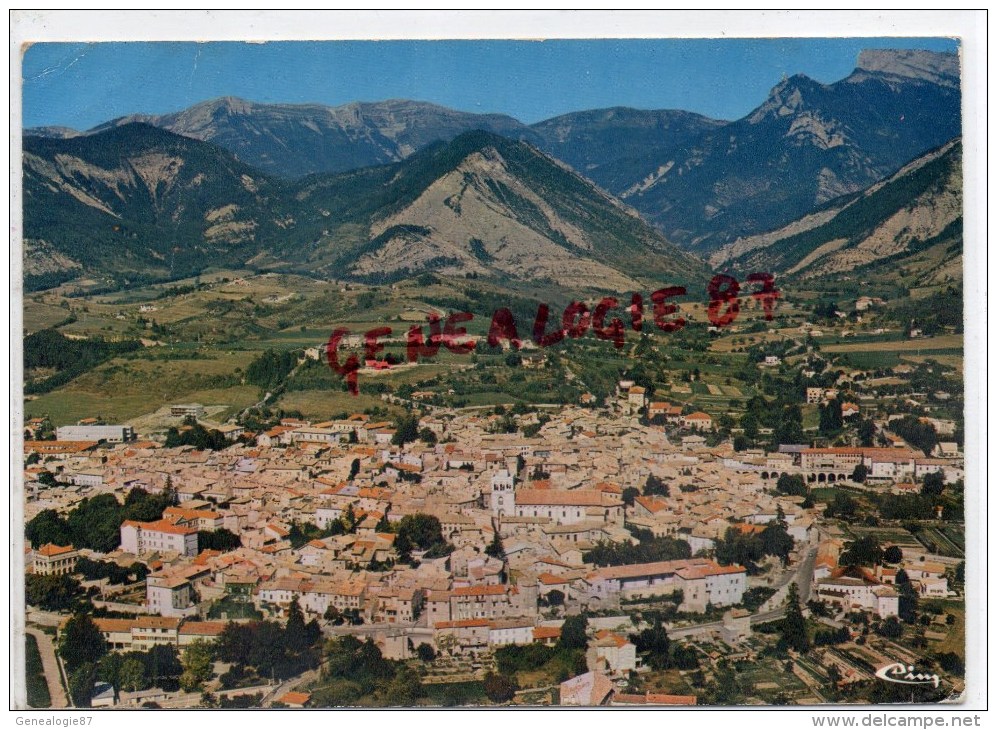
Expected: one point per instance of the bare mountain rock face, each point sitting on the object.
(805, 145)
(293, 140)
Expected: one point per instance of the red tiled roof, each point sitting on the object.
(51, 550)
(479, 591)
(161, 526)
(463, 624)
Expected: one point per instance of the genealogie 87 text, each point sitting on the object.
(577, 319)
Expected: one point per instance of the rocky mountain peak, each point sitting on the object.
(937, 68)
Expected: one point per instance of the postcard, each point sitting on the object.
(482, 372)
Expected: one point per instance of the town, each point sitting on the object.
(624, 552)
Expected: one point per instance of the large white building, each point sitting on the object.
(858, 593)
(702, 582)
(159, 536)
(567, 506)
(111, 434)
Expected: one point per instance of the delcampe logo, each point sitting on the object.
(901, 673)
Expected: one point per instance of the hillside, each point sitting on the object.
(605, 145)
(913, 211)
(138, 203)
(487, 206)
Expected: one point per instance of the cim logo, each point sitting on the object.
(901, 673)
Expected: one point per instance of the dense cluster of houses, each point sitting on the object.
(547, 500)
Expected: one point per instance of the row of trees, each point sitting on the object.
(197, 436)
(650, 549)
(748, 548)
(270, 649)
(96, 522)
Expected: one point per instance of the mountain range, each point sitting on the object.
(917, 209)
(356, 187)
(137, 202)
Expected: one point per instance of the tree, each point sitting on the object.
(425, 653)
(406, 429)
(933, 484)
(830, 417)
(893, 554)
(629, 495)
(794, 626)
(81, 681)
(295, 630)
(427, 436)
(777, 541)
(354, 467)
(867, 431)
(860, 473)
(48, 527)
(792, 484)
(131, 675)
(421, 530)
(81, 642)
(890, 628)
(790, 427)
(863, 551)
(654, 642)
(405, 688)
(907, 602)
(495, 548)
(655, 485)
(197, 662)
(573, 633)
(555, 598)
(499, 688)
(53, 592)
(221, 539)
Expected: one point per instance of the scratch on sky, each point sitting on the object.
(193, 70)
(60, 67)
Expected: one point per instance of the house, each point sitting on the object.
(510, 631)
(169, 594)
(858, 590)
(848, 410)
(159, 536)
(664, 410)
(295, 699)
(637, 396)
(586, 690)
(102, 695)
(653, 699)
(110, 434)
(546, 635)
(183, 410)
(611, 652)
(200, 519)
(697, 421)
(464, 636)
(52, 559)
(568, 506)
(702, 581)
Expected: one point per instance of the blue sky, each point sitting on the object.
(81, 85)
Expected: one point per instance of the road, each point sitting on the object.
(288, 685)
(50, 665)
